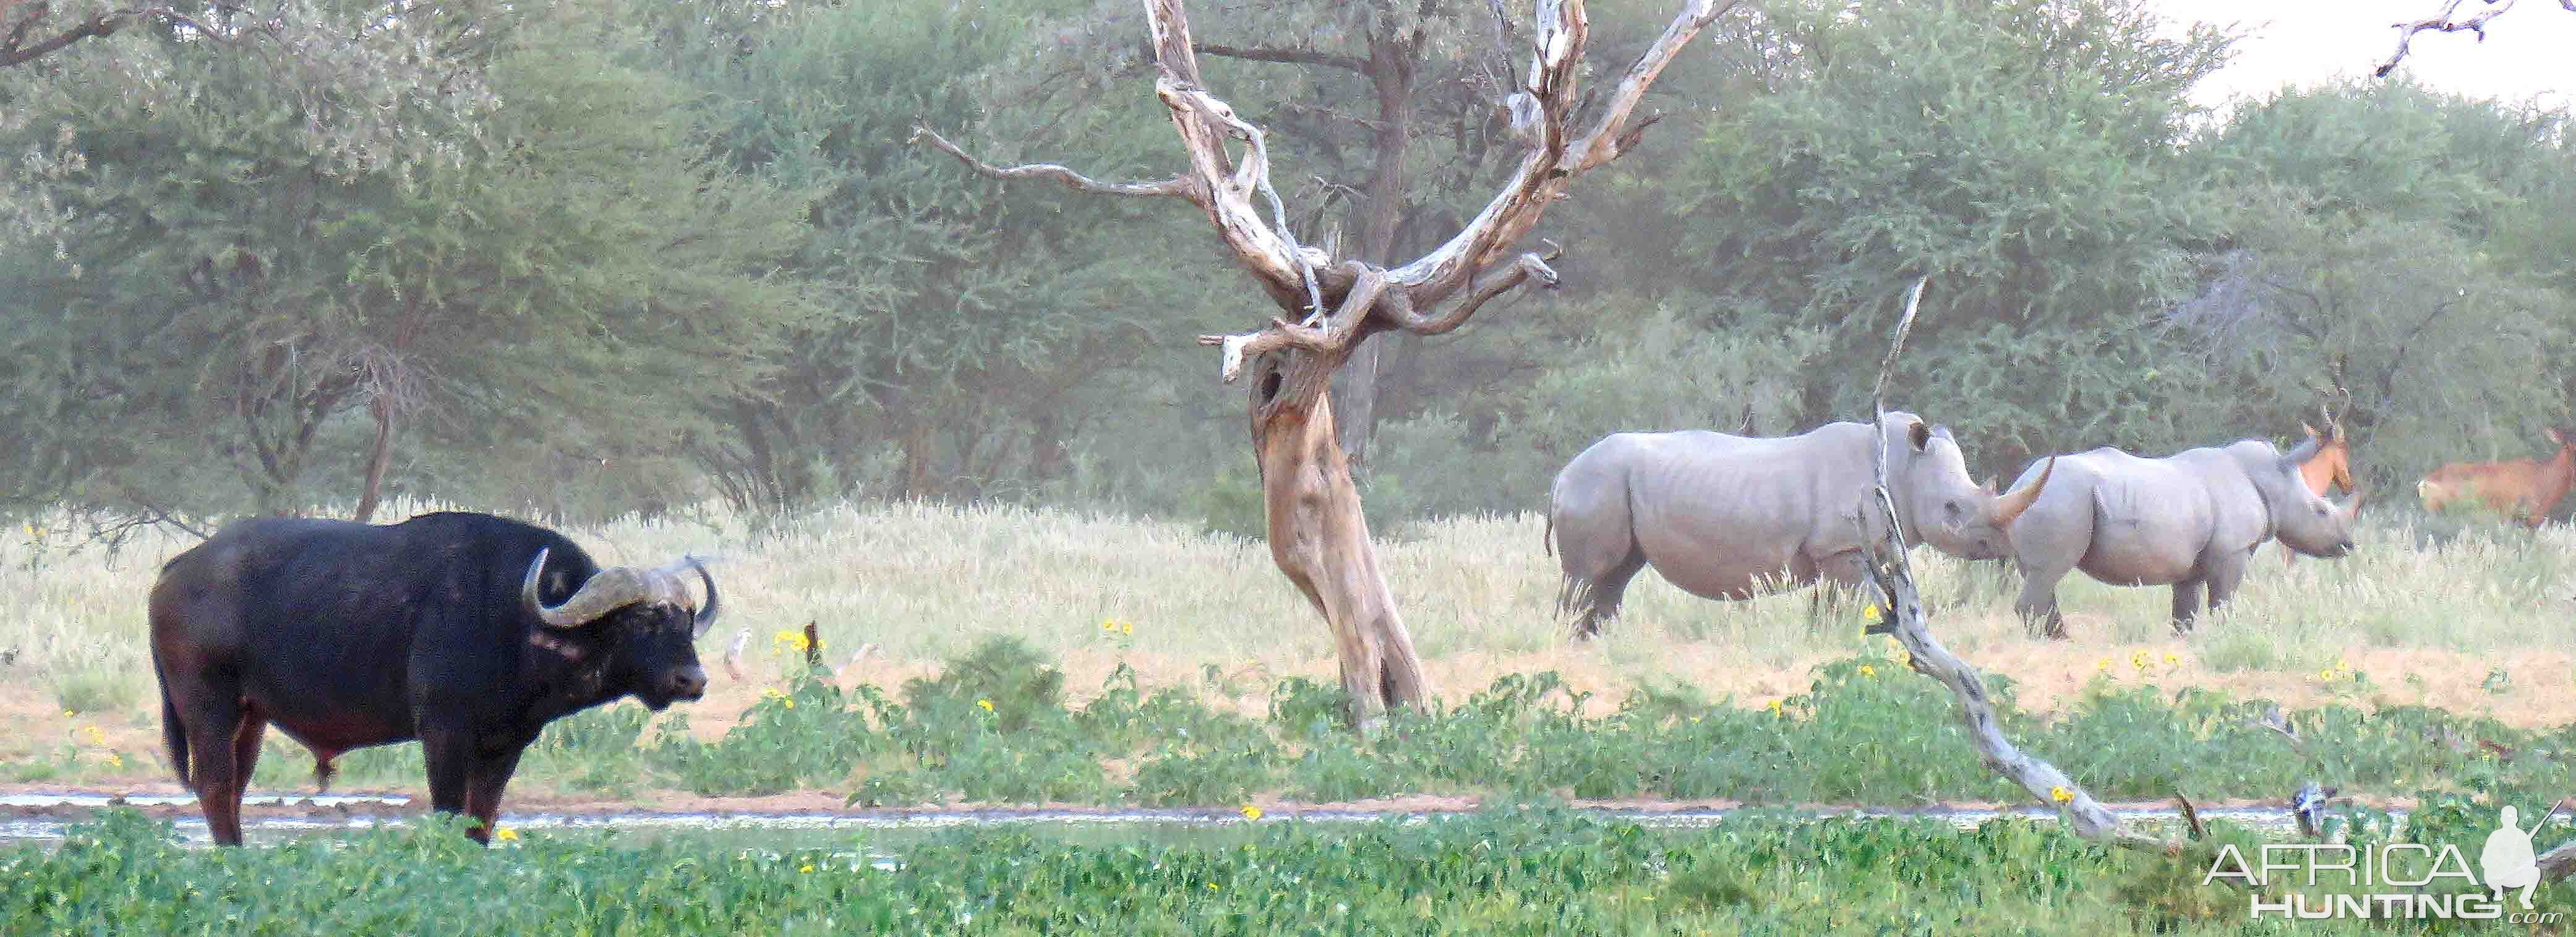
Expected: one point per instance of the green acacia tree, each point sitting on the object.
(2404, 255)
(2024, 155)
(960, 324)
(231, 289)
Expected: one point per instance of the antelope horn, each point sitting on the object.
(2010, 506)
(2352, 505)
(606, 592)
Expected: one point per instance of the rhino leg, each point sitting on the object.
(1598, 595)
(2186, 604)
(1838, 578)
(2223, 578)
(2038, 602)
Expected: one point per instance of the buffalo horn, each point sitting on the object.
(706, 613)
(2010, 506)
(606, 592)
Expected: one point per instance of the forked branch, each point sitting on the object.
(2449, 21)
(1418, 296)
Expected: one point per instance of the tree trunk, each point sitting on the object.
(1319, 538)
(1355, 402)
(378, 457)
(1355, 386)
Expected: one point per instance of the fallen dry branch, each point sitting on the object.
(2449, 21)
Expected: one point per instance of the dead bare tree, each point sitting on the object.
(1329, 306)
(2449, 21)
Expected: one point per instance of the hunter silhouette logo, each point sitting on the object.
(2372, 881)
(2508, 861)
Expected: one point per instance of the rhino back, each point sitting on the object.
(1713, 511)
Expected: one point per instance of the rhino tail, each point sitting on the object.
(1547, 536)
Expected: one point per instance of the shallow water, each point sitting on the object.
(1136, 823)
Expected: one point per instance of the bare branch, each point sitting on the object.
(1169, 188)
(2448, 21)
(95, 27)
(1606, 142)
(1894, 578)
(1333, 338)
(1282, 56)
(1523, 268)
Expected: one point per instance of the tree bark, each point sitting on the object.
(1320, 538)
(379, 457)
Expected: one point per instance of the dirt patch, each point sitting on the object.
(123, 749)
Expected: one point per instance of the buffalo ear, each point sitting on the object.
(1920, 434)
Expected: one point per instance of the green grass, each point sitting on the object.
(996, 727)
(1532, 872)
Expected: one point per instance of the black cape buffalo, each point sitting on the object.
(466, 631)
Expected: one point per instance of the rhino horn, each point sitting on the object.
(2010, 506)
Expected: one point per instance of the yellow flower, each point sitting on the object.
(772, 693)
(115, 760)
(2103, 665)
(1868, 671)
(1775, 707)
(1694, 720)
(1126, 627)
(1869, 613)
(1251, 812)
(791, 640)
(787, 701)
(986, 703)
(2172, 661)
(2139, 660)
(96, 737)
(1211, 886)
(2060, 794)
(807, 867)
(68, 714)
(506, 834)
(1107, 624)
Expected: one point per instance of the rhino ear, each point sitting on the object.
(1920, 434)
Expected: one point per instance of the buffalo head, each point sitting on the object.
(639, 622)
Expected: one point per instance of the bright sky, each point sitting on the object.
(2530, 50)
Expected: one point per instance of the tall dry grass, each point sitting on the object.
(922, 581)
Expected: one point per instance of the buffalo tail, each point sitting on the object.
(174, 734)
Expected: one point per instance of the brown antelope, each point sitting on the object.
(2329, 469)
(2520, 488)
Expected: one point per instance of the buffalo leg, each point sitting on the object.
(246, 749)
(2186, 604)
(1600, 595)
(212, 733)
(450, 754)
(483, 786)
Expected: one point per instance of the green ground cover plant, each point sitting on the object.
(1539, 871)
